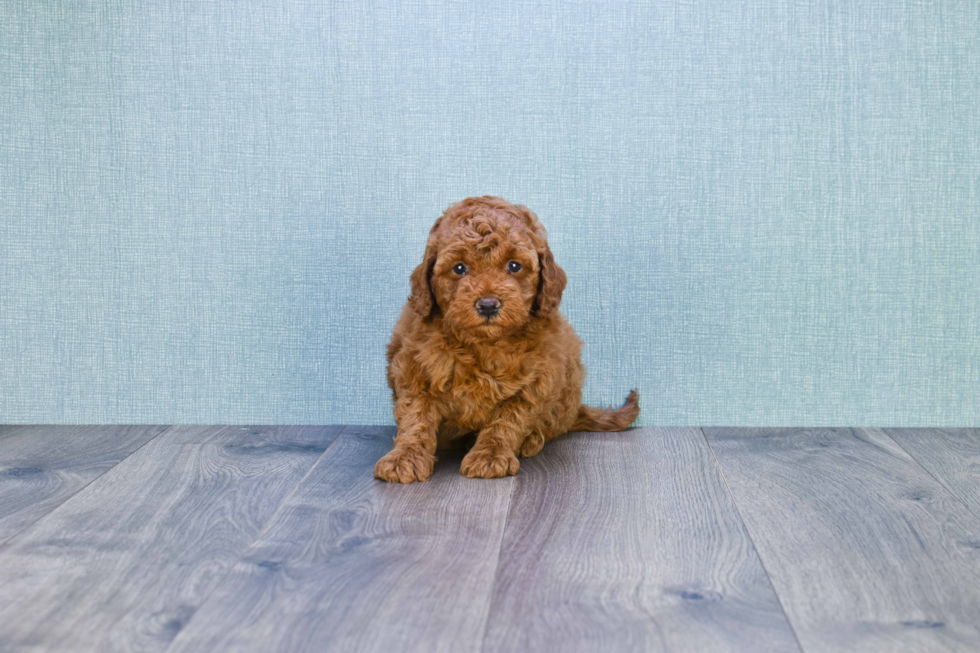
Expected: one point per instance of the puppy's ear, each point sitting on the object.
(423, 298)
(551, 283)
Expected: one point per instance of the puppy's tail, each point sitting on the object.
(608, 419)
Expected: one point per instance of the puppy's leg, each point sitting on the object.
(495, 453)
(415, 444)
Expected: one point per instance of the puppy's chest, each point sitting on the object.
(473, 389)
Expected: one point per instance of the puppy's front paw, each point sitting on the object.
(487, 463)
(405, 465)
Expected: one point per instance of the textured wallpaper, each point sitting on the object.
(769, 212)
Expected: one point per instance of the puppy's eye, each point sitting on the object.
(514, 266)
(459, 268)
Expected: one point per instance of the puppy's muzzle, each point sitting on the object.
(487, 306)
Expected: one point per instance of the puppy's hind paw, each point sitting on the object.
(405, 466)
(532, 446)
(485, 463)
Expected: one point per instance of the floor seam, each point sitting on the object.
(259, 534)
(748, 534)
(952, 493)
(6, 542)
(496, 569)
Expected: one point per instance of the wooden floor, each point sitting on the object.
(216, 539)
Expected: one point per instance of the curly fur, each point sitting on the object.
(514, 378)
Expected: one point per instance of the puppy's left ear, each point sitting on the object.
(551, 283)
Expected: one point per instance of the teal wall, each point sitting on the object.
(769, 212)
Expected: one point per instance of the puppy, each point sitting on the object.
(481, 347)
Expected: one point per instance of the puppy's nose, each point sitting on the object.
(487, 306)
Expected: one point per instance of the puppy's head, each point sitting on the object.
(487, 269)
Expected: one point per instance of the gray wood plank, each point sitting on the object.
(951, 455)
(123, 564)
(630, 542)
(42, 466)
(866, 550)
(351, 563)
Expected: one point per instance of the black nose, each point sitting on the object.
(487, 306)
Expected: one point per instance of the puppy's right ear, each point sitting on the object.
(423, 298)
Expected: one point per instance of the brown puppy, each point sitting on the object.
(481, 347)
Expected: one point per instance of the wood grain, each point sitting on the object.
(950, 455)
(866, 550)
(351, 563)
(123, 564)
(630, 542)
(42, 466)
